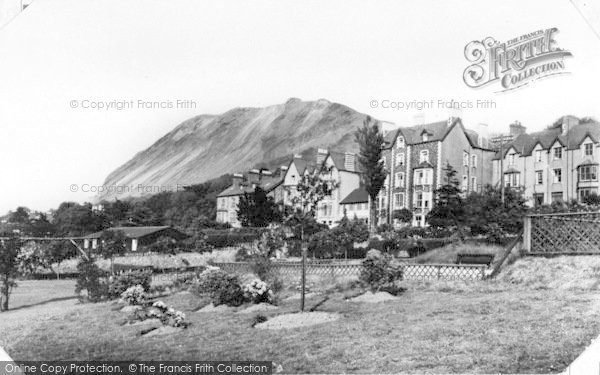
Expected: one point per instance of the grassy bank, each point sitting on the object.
(508, 325)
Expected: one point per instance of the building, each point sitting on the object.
(136, 236)
(559, 163)
(227, 200)
(340, 167)
(415, 158)
(356, 205)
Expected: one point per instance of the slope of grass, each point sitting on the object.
(448, 253)
(502, 325)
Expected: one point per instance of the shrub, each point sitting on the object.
(258, 319)
(134, 295)
(167, 315)
(90, 279)
(221, 287)
(379, 270)
(258, 291)
(125, 280)
(494, 234)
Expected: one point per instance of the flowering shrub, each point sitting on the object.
(120, 283)
(167, 315)
(134, 295)
(379, 270)
(258, 291)
(223, 288)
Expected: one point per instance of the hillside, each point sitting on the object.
(208, 146)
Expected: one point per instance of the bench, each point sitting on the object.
(465, 258)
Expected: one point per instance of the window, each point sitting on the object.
(538, 156)
(557, 175)
(557, 153)
(400, 158)
(557, 197)
(473, 183)
(419, 200)
(539, 177)
(423, 176)
(398, 200)
(589, 149)
(588, 173)
(511, 179)
(538, 199)
(424, 156)
(583, 193)
(399, 180)
(511, 159)
(418, 220)
(474, 161)
(466, 159)
(400, 142)
(465, 183)
(425, 137)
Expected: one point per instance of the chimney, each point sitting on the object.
(297, 156)
(321, 155)
(253, 176)
(516, 129)
(237, 179)
(568, 122)
(349, 161)
(482, 135)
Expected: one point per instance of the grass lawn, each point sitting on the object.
(514, 324)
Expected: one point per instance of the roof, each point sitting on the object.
(437, 131)
(339, 160)
(137, 232)
(267, 183)
(358, 195)
(525, 143)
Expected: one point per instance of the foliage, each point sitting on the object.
(221, 287)
(257, 209)
(338, 242)
(494, 233)
(9, 268)
(486, 208)
(403, 215)
(356, 229)
(125, 280)
(134, 295)
(165, 245)
(227, 238)
(448, 211)
(370, 141)
(258, 291)
(592, 199)
(167, 315)
(379, 270)
(90, 278)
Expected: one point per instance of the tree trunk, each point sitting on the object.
(373, 216)
(5, 292)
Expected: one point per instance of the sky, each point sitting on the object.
(60, 58)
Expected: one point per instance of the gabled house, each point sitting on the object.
(559, 163)
(415, 158)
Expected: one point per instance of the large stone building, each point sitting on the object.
(559, 163)
(415, 158)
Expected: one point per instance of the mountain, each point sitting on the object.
(208, 146)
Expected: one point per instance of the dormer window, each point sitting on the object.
(589, 149)
(400, 142)
(511, 159)
(557, 153)
(425, 137)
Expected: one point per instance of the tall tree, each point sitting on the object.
(370, 140)
(448, 211)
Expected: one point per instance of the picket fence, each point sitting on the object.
(412, 271)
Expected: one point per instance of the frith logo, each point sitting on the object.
(514, 63)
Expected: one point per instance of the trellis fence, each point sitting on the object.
(412, 271)
(562, 233)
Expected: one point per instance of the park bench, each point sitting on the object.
(472, 258)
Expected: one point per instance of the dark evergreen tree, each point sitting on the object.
(448, 212)
(257, 209)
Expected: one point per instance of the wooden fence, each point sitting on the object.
(412, 271)
(562, 233)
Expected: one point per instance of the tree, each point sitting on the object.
(370, 141)
(310, 191)
(484, 211)
(9, 268)
(448, 211)
(112, 243)
(257, 209)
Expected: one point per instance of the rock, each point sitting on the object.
(297, 320)
(377, 297)
(212, 308)
(131, 308)
(258, 308)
